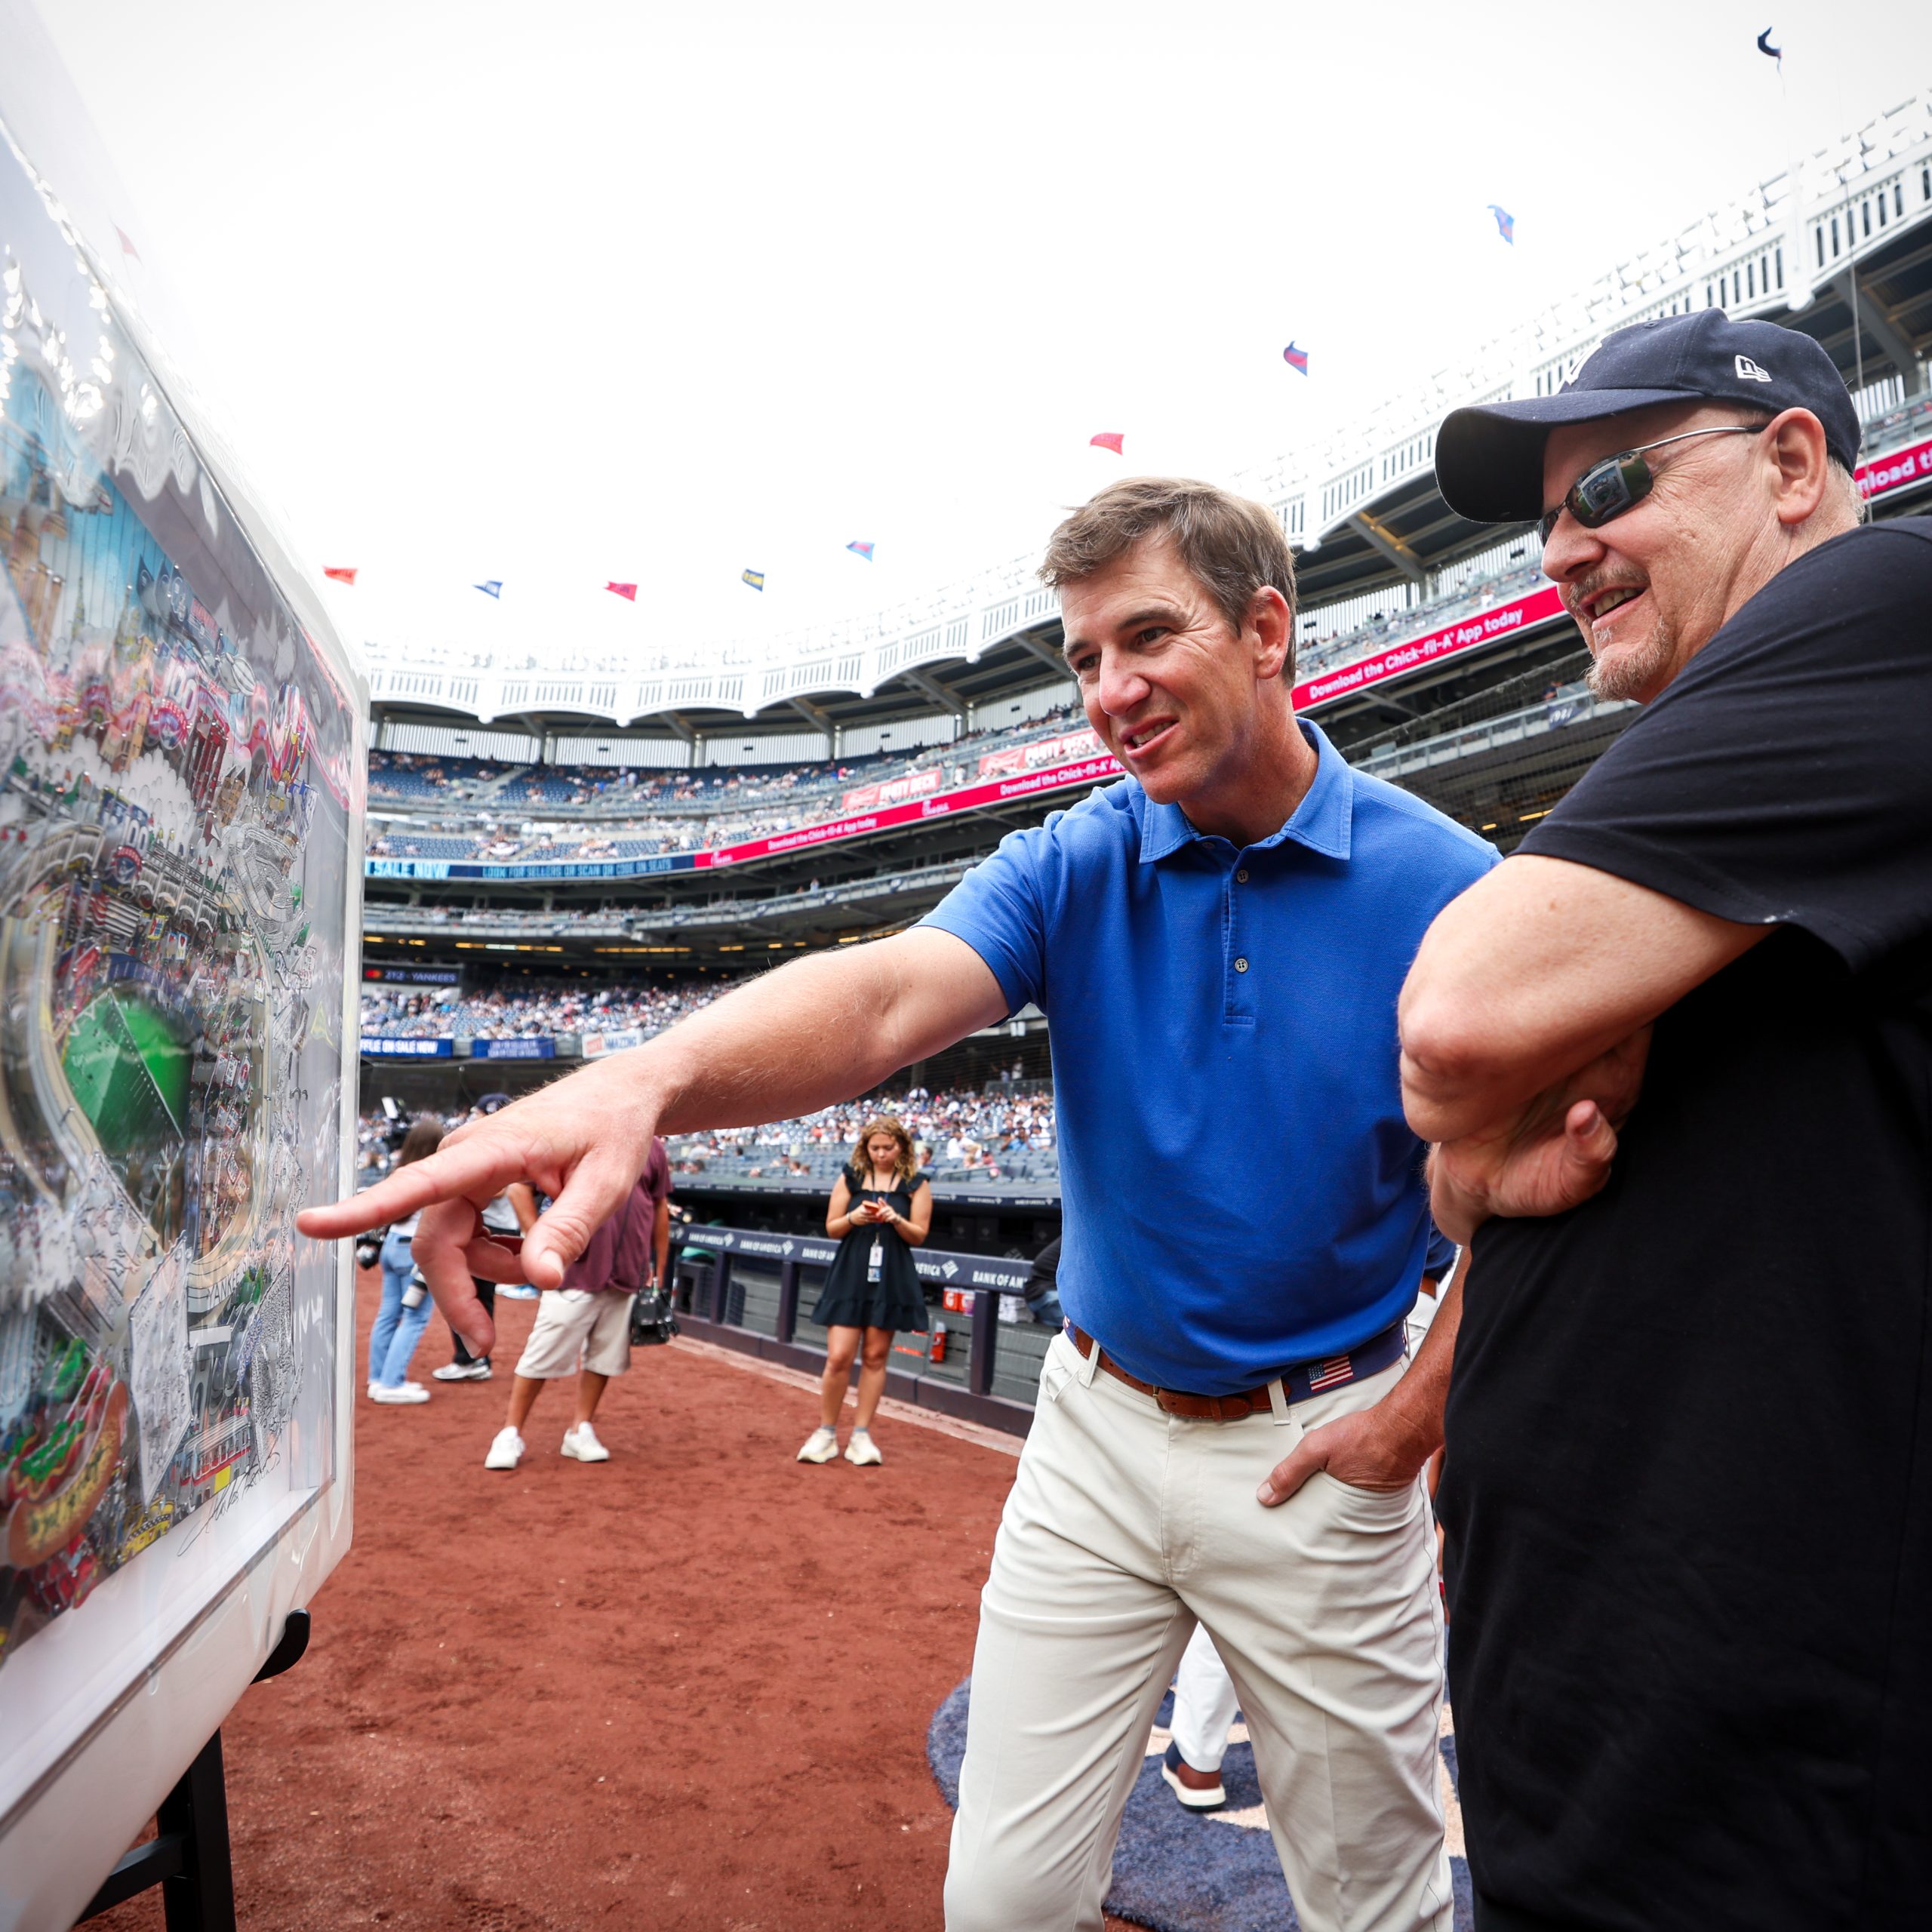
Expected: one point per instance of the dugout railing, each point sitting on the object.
(750, 1291)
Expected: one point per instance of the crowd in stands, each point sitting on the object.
(648, 812)
(1003, 1133)
(1323, 651)
(447, 1013)
(652, 812)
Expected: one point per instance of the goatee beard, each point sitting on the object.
(1634, 670)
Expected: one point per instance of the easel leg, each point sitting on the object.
(201, 1896)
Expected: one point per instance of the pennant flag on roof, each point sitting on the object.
(1506, 223)
(864, 550)
(128, 248)
(1296, 359)
(755, 578)
(1110, 439)
(624, 590)
(1765, 48)
(494, 588)
(341, 574)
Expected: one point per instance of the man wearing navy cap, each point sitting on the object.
(1676, 1055)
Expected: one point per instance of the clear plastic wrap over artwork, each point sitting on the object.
(179, 805)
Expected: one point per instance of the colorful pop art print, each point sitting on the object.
(180, 787)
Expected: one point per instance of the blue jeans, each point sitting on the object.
(392, 1340)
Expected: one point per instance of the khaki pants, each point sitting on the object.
(1124, 1527)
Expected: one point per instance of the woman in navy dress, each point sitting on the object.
(882, 1209)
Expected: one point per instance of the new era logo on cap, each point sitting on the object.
(1748, 371)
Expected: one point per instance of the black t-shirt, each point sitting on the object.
(1689, 1482)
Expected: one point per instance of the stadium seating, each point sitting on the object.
(693, 809)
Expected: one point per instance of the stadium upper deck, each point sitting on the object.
(1430, 650)
(1840, 247)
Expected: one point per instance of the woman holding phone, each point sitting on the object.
(882, 1209)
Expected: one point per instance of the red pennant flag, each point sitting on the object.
(1110, 439)
(341, 575)
(127, 246)
(624, 590)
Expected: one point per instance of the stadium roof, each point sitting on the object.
(1839, 247)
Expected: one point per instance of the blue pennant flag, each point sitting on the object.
(864, 550)
(755, 578)
(1506, 223)
(494, 588)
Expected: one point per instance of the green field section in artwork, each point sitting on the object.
(129, 1070)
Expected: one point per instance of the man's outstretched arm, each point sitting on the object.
(816, 1030)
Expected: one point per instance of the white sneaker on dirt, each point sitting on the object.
(580, 1442)
(821, 1445)
(861, 1451)
(403, 1392)
(462, 1371)
(506, 1449)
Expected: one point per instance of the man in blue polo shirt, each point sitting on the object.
(1218, 942)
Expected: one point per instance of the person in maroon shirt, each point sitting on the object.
(586, 1319)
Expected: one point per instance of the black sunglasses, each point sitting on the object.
(1619, 483)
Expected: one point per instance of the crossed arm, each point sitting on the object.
(817, 1030)
(1525, 1023)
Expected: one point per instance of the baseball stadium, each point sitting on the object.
(683, 1672)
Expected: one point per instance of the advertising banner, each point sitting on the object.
(414, 976)
(658, 862)
(950, 1271)
(1084, 771)
(1884, 474)
(596, 1045)
(1084, 742)
(891, 791)
(1538, 608)
(543, 1049)
(405, 868)
(377, 1047)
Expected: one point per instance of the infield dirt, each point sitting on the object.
(688, 1687)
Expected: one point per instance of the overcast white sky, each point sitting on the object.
(556, 294)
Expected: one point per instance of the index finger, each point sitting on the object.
(477, 1170)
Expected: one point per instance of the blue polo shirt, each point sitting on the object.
(1241, 1190)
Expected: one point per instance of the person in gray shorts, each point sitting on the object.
(586, 1319)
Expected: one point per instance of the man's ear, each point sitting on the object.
(1795, 442)
(1273, 623)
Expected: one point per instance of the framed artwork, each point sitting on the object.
(182, 761)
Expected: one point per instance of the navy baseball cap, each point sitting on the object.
(1489, 458)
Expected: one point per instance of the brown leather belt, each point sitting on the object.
(1298, 1383)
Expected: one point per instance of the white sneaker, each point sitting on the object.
(403, 1392)
(821, 1445)
(862, 1450)
(462, 1371)
(506, 1449)
(581, 1444)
